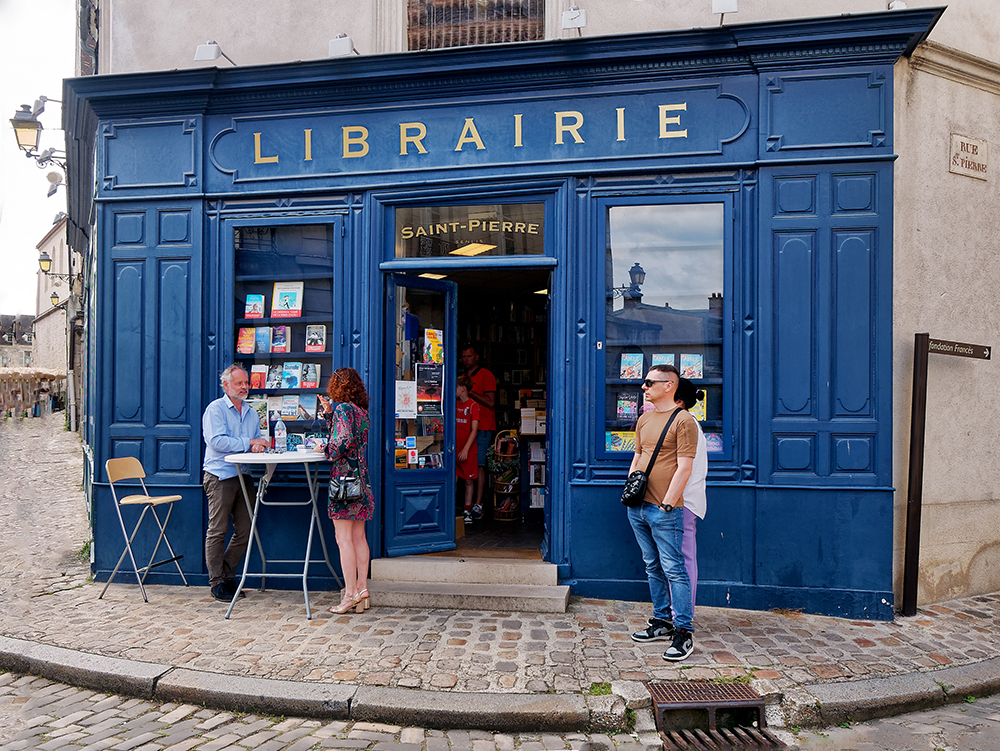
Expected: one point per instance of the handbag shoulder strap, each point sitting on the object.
(659, 443)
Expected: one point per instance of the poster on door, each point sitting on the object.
(429, 389)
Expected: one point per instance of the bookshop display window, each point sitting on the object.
(663, 305)
(419, 378)
(514, 229)
(283, 309)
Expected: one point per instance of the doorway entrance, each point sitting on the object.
(430, 319)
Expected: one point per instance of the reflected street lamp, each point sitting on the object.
(637, 275)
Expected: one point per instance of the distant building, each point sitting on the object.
(16, 337)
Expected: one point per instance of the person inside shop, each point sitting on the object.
(658, 523)
(229, 426)
(483, 393)
(347, 448)
(466, 429)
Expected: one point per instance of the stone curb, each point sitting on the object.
(858, 701)
(439, 709)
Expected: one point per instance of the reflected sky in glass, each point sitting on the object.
(679, 246)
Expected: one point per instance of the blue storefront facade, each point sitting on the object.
(349, 175)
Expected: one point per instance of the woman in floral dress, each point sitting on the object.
(347, 449)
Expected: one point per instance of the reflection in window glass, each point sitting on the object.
(514, 229)
(434, 24)
(664, 283)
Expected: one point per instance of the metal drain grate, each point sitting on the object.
(737, 739)
(705, 706)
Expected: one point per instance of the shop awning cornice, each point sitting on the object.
(573, 63)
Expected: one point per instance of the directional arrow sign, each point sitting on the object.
(959, 349)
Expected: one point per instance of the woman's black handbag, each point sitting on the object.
(635, 484)
(344, 488)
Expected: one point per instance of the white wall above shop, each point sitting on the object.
(142, 36)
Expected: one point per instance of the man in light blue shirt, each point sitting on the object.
(229, 426)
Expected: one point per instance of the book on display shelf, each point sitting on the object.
(631, 366)
(259, 405)
(273, 408)
(290, 407)
(273, 377)
(279, 338)
(286, 301)
(293, 441)
(245, 341)
(307, 406)
(291, 375)
(258, 376)
(262, 339)
(254, 307)
(315, 337)
(310, 375)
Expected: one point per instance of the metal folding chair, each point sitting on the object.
(130, 468)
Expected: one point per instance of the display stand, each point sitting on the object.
(506, 472)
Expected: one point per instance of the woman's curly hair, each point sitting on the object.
(346, 386)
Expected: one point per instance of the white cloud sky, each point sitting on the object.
(37, 45)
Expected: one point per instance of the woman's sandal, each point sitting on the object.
(361, 598)
(346, 604)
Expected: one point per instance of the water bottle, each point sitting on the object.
(280, 436)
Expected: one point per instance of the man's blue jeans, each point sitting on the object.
(660, 535)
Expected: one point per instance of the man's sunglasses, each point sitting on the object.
(649, 384)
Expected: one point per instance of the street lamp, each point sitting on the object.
(45, 266)
(27, 130)
(637, 275)
(54, 299)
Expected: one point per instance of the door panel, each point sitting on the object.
(419, 376)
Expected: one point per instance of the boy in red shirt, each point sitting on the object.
(466, 427)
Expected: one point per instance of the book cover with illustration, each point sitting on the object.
(433, 345)
(619, 440)
(273, 408)
(628, 405)
(262, 339)
(254, 307)
(258, 376)
(291, 375)
(315, 337)
(273, 377)
(631, 367)
(286, 302)
(310, 375)
(293, 441)
(307, 406)
(245, 341)
(662, 358)
(314, 441)
(259, 404)
(279, 338)
(700, 410)
(691, 366)
(290, 407)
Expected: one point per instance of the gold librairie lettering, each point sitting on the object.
(569, 127)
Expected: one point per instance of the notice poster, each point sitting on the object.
(628, 405)
(406, 400)
(631, 367)
(692, 366)
(713, 442)
(286, 301)
(429, 389)
(433, 345)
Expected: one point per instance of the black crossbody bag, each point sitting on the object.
(635, 484)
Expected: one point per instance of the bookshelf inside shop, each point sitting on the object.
(511, 334)
(283, 316)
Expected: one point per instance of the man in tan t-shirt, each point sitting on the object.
(658, 523)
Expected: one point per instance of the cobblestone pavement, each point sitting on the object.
(973, 726)
(46, 596)
(39, 714)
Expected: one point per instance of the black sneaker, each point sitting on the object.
(231, 588)
(221, 593)
(682, 646)
(657, 630)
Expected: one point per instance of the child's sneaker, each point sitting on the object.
(477, 512)
(657, 630)
(682, 647)
(468, 518)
